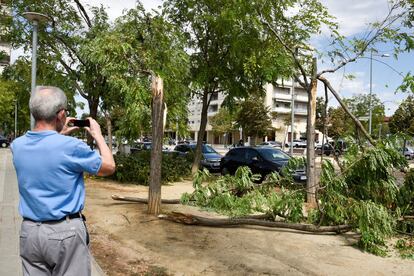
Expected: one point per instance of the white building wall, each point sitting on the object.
(277, 98)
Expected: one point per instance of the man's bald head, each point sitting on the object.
(46, 102)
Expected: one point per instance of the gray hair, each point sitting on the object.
(46, 102)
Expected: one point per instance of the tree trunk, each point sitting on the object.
(143, 200)
(220, 222)
(93, 112)
(201, 132)
(109, 128)
(311, 185)
(338, 98)
(154, 194)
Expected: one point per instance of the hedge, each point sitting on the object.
(135, 167)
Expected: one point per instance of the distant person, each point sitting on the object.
(241, 143)
(49, 165)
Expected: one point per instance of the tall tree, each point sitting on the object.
(254, 117)
(224, 121)
(294, 22)
(228, 54)
(140, 54)
(403, 118)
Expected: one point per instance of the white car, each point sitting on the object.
(274, 144)
(297, 144)
(409, 153)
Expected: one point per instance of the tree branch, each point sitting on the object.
(384, 24)
(83, 13)
(292, 52)
(338, 98)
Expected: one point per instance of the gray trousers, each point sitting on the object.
(55, 248)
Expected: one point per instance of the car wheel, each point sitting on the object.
(4, 145)
(225, 171)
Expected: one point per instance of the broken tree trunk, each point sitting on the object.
(217, 222)
(143, 200)
(154, 193)
(338, 98)
(311, 183)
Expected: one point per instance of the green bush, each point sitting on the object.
(135, 167)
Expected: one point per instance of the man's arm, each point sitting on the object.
(108, 163)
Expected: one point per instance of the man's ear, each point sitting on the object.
(61, 114)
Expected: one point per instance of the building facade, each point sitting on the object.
(5, 47)
(277, 98)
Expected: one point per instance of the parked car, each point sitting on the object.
(297, 144)
(4, 142)
(274, 144)
(409, 153)
(261, 160)
(211, 158)
(328, 149)
(144, 146)
(334, 147)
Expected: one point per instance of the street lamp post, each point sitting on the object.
(370, 90)
(15, 119)
(35, 18)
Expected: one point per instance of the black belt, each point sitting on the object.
(71, 216)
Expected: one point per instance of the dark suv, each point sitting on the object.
(261, 160)
(4, 142)
(211, 158)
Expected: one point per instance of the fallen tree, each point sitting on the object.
(143, 200)
(191, 219)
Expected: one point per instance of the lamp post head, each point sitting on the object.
(37, 17)
(385, 55)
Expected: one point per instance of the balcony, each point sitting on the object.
(4, 59)
(287, 110)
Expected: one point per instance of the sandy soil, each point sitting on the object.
(127, 241)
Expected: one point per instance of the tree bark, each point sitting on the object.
(338, 98)
(109, 129)
(143, 200)
(93, 104)
(220, 222)
(311, 185)
(154, 194)
(201, 132)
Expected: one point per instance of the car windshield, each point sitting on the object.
(205, 148)
(273, 154)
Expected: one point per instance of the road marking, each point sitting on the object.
(2, 176)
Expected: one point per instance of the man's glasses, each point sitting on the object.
(66, 111)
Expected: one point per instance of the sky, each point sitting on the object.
(353, 17)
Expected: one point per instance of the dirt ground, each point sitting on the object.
(127, 241)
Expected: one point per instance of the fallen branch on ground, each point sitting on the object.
(197, 220)
(143, 200)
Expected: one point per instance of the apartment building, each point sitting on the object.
(5, 46)
(278, 99)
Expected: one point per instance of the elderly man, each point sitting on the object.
(49, 165)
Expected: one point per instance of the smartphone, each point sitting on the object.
(81, 123)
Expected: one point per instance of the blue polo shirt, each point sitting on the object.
(49, 169)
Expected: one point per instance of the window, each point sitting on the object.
(214, 96)
(250, 154)
(213, 108)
